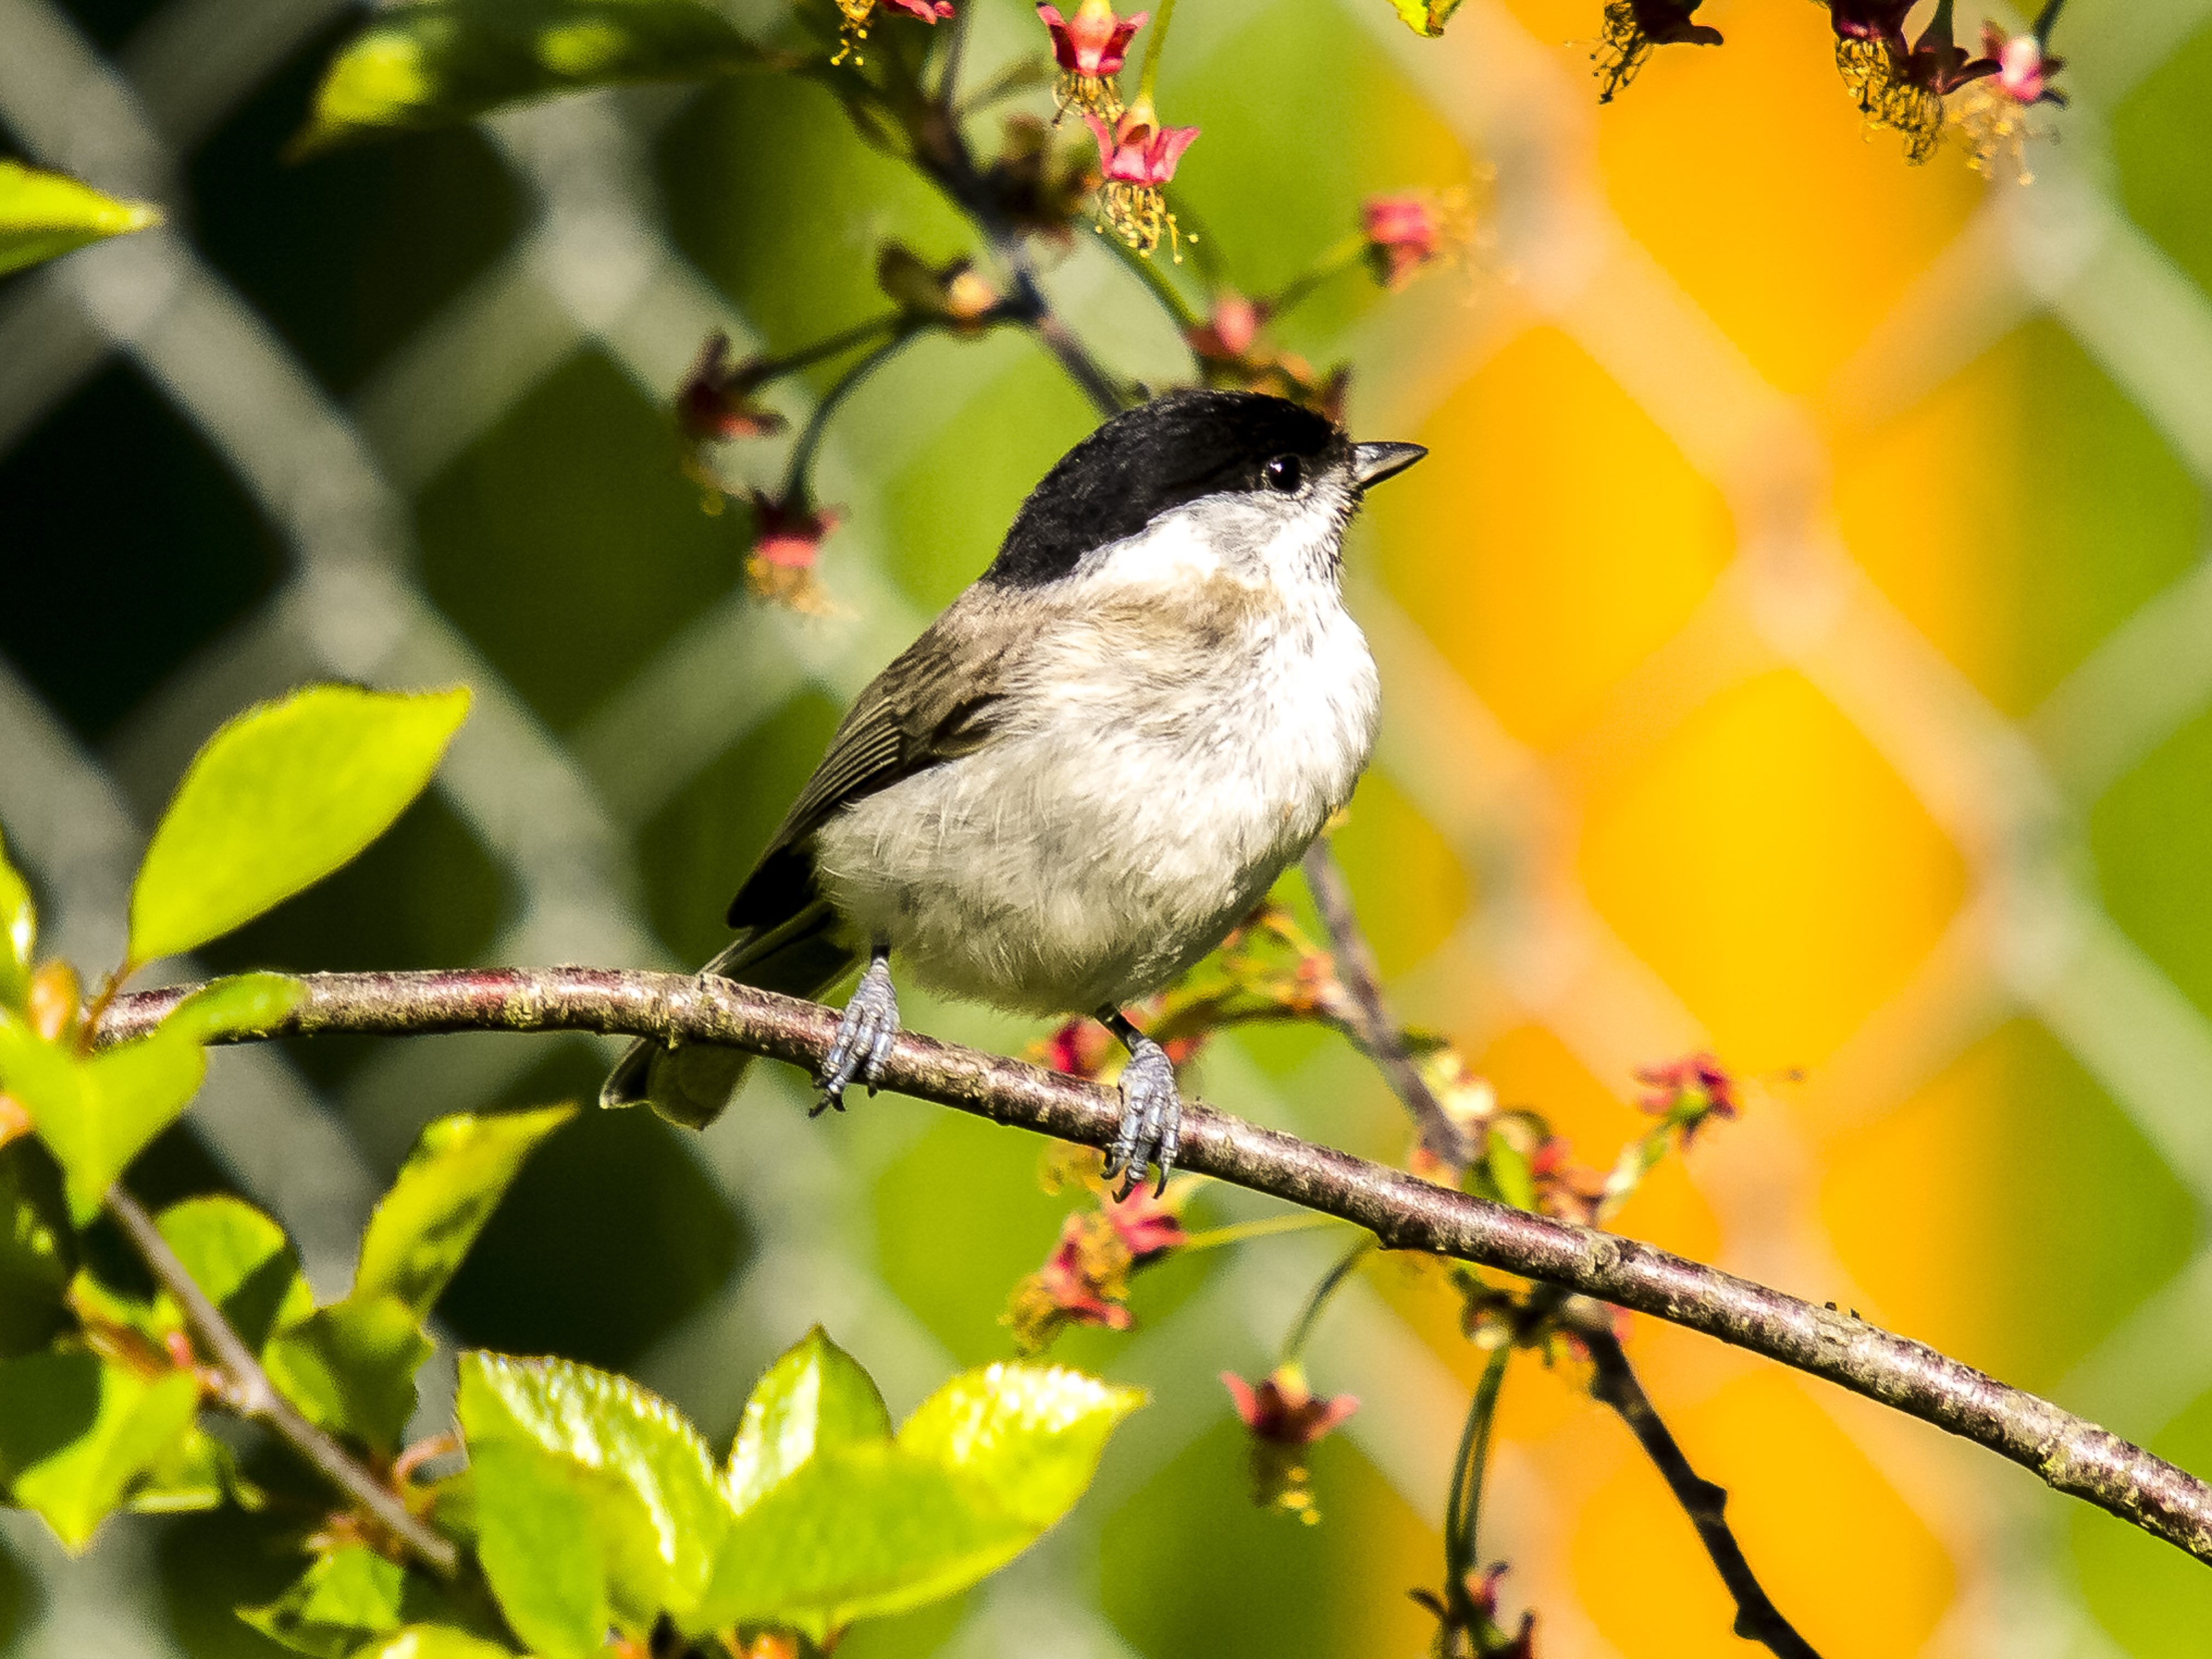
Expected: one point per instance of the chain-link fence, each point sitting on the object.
(1772, 476)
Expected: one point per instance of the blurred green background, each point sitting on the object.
(1798, 645)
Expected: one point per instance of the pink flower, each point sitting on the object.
(1687, 1092)
(716, 397)
(1284, 1417)
(787, 537)
(1994, 114)
(1084, 1281)
(1094, 43)
(1282, 1410)
(1147, 1225)
(1229, 335)
(1136, 150)
(1138, 155)
(1404, 231)
(1080, 1048)
(2023, 72)
(923, 9)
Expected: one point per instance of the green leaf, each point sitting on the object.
(659, 1512)
(1030, 1435)
(864, 1527)
(242, 1260)
(245, 1005)
(1509, 1173)
(279, 797)
(38, 1249)
(350, 1368)
(43, 214)
(538, 1538)
(353, 1600)
(858, 1532)
(197, 1473)
(435, 1642)
(345, 1601)
(814, 1397)
(96, 1115)
(438, 62)
(74, 1433)
(1426, 17)
(19, 932)
(447, 1190)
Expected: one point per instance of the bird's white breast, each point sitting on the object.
(1170, 746)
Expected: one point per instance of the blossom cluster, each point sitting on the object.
(1918, 87)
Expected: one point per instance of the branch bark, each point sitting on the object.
(2069, 1453)
(251, 1394)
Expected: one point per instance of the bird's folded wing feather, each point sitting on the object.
(938, 700)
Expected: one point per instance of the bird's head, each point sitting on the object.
(1237, 484)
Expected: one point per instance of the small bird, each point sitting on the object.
(1089, 768)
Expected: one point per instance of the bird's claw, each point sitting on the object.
(865, 1036)
(1152, 1118)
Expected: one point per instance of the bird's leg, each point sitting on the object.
(1152, 1108)
(865, 1035)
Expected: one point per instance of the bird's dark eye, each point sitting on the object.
(1284, 473)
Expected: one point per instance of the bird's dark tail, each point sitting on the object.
(692, 1084)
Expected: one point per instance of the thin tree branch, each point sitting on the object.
(1757, 1618)
(2069, 1453)
(1375, 1030)
(250, 1394)
(941, 152)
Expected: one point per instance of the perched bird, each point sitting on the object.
(1089, 768)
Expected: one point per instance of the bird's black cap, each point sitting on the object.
(1158, 455)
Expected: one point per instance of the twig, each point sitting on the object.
(1376, 1031)
(1757, 1618)
(1616, 1385)
(941, 152)
(251, 1394)
(2069, 1453)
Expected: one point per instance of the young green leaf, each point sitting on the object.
(242, 1260)
(861, 1527)
(858, 1532)
(96, 1115)
(197, 1473)
(435, 1642)
(435, 62)
(76, 1432)
(538, 1538)
(344, 1600)
(19, 933)
(660, 1514)
(350, 1368)
(38, 1249)
(446, 1191)
(279, 797)
(353, 1601)
(814, 1397)
(1426, 17)
(1030, 1436)
(241, 1005)
(43, 216)
(1515, 1183)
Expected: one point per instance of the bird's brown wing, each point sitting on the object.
(938, 700)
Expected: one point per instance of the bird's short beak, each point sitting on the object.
(1372, 463)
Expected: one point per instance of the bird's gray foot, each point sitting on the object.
(865, 1036)
(1152, 1110)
